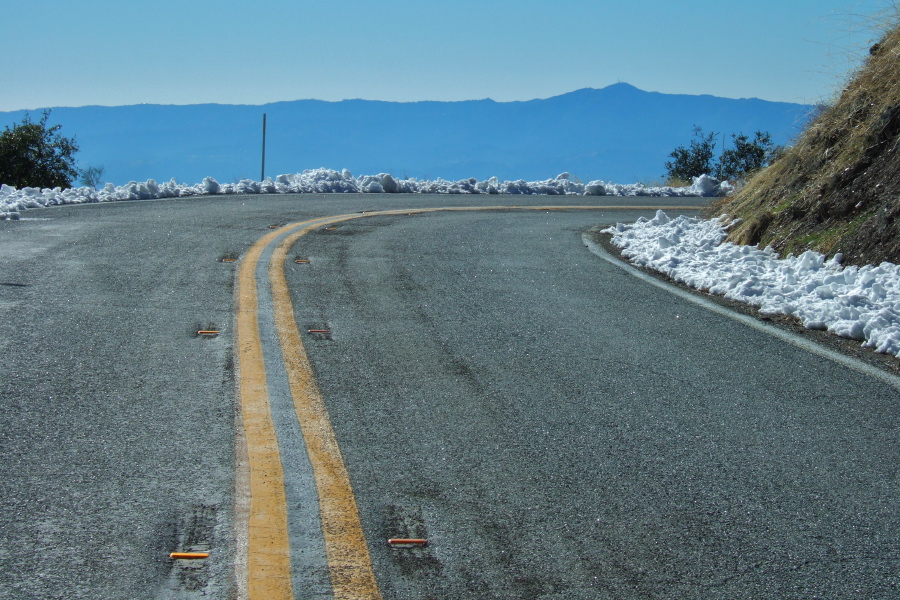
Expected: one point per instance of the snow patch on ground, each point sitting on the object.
(328, 181)
(860, 303)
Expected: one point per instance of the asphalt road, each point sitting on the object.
(559, 429)
(553, 426)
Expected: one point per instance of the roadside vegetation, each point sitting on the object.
(837, 189)
(35, 155)
(743, 159)
(92, 176)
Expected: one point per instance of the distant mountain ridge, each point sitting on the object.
(618, 133)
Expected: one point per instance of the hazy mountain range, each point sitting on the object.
(618, 133)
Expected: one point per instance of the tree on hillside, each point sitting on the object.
(694, 161)
(34, 155)
(747, 156)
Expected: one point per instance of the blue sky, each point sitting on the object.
(65, 53)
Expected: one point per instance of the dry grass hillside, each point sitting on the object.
(838, 188)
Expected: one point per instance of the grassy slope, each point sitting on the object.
(838, 188)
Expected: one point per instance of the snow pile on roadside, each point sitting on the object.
(323, 181)
(703, 186)
(857, 303)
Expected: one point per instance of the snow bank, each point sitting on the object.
(857, 303)
(325, 181)
(704, 186)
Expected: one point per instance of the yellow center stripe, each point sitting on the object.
(268, 548)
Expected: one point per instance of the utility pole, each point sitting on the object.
(262, 176)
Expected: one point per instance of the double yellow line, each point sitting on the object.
(268, 544)
(268, 559)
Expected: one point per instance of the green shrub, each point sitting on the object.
(33, 155)
(746, 157)
(694, 161)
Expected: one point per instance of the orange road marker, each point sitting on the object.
(189, 555)
(302, 261)
(207, 332)
(229, 260)
(406, 542)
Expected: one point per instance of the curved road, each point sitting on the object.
(553, 426)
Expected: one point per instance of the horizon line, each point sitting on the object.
(619, 84)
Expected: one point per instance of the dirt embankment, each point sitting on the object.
(838, 188)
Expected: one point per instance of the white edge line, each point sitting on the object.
(847, 361)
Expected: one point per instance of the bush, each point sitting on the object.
(746, 157)
(693, 161)
(33, 155)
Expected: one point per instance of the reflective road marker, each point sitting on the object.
(407, 542)
(188, 555)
